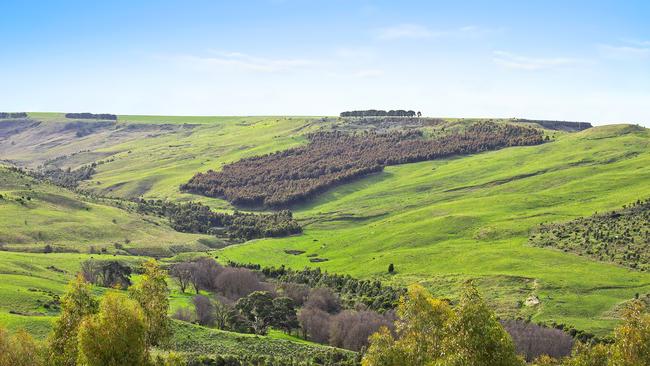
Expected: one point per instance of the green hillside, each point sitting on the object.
(439, 222)
(35, 214)
(444, 221)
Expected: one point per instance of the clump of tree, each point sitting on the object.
(102, 116)
(380, 113)
(620, 236)
(21, 349)
(4, 115)
(533, 340)
(194, 217)
(107, 273)
(429, 331)
(371, 294)
(331, 158)
(68, 178)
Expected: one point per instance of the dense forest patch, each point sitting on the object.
(106, 116)
(199, 219)
(621, 236)
(331, 158)
(13, 115)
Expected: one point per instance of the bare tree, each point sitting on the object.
(295, 291)
(204, 310)
(182, 273)
(236, 283)
(532, 340)
(323, 299)
(314, 323)
(350, 329)
(183, 314)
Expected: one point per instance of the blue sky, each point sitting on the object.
(570, 60)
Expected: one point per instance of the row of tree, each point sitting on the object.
(85, 115)
(13, 115)
(380, 113)
(194, 217)
(332, 158)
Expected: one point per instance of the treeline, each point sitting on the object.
(353, 292)
(194, 217)
(380, 113)
(104, 116)
(620, 236)
(331, 158)
(13, 115)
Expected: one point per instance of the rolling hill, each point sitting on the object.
(439, 222)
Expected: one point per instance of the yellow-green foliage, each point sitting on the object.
(476, 337)
(77, 303)
(115, 336)
(152, 294)
(428, 332)
(632, 338)
(20, 349)
(420, 328)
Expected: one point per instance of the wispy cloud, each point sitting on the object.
(245, 62)
(627, 49)
(518, 62)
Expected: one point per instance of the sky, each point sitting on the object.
(560, 60)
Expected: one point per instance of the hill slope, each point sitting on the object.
(446, 221)
(35, 213)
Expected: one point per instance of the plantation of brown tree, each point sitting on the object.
(331, 158)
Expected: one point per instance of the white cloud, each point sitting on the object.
(513, 61)
(245, 62)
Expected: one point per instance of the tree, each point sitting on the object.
(20, 349)
(586, 355)
(476, 337)
(391, 268)
(182, 273)
(284, 314)
(257, 307)
(632, 338)
(116, 336)
(204, 310)
(324, 299)
(420, 329)
(152, 294)
(77, 303)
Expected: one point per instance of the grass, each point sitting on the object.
(439, 222)
(63, 219)
(446, 221)
(194, 339)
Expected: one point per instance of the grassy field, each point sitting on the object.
(446, 221)
(439, 222)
